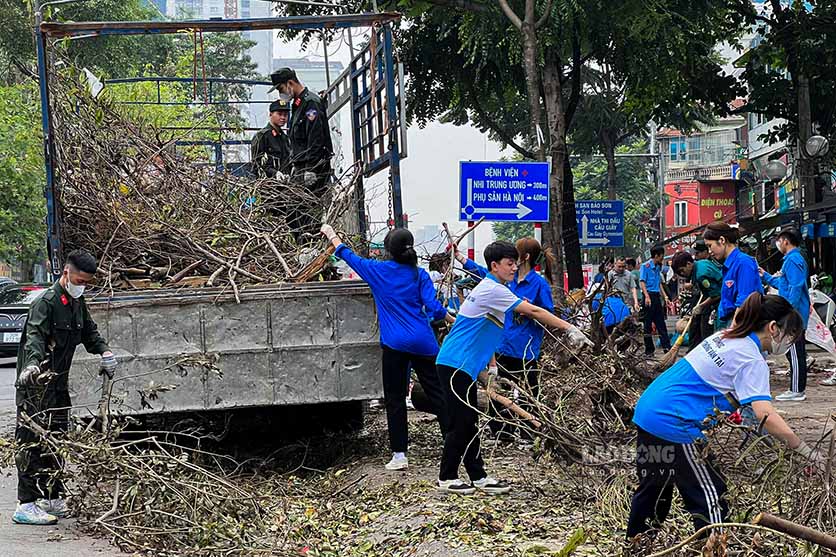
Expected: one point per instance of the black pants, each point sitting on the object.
(655, 315)
(662, 465)
(395, 386)
(700, 328)
(526, 374)
(798, 365)
(461, 445)
(38, 470)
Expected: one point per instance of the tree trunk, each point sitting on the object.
(571, 241)
(532, 82)
(608, 144)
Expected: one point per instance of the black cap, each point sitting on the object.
(277, 106)
(282, 75)
(699, 246)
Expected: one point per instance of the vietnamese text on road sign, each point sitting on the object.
(504, 191)
(600, 223)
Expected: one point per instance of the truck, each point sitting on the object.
(199, 350)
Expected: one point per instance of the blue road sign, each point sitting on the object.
(504, 191)
(600, 223)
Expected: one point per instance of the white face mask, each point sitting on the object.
(73, 290)
(285, 97)
(781, 345)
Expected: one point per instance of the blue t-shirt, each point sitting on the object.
(675, 406)
(406, 301)
(792, 284)
(615, 310)
(651, 276)
(523, 336)
(740, 278)
(475, 336)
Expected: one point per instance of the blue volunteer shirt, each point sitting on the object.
(477, 333)
(651, 275)
(740, 278)
(615, 310)
(675, 406)
(406, 302)
(792, 284)
(523, 336)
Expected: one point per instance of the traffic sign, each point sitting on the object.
(504, 191)
(600, 223)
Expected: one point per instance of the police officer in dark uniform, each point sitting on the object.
(310, 136)
(57, 322)
(270, 152)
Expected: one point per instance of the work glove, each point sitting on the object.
(809, 453)
(328, 231)
(30, 376)
(698, 309)
(577, 338)
(109, 364)
(493, 373)
(308, 178)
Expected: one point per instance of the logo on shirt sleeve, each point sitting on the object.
(311, 114)
(729, 283)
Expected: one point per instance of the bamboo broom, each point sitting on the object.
(670, 356)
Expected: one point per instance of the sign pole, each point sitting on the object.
(538, 235)
(471, 243)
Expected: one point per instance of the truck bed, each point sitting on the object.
(198, 349)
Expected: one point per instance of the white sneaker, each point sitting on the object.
(398, 462)
(492, 486)
(830, 381)
(55, 507)
(30, 513)
(455, 486)
(790, 396)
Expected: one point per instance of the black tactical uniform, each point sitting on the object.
(56, 324)
(310, 139)
(270, 150)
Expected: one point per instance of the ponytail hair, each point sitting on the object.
(719, 229)
(537, 255)
(400, 245)
(759, 310)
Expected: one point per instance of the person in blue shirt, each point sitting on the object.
(724, 372)
(468, 353)
(740, 271)
(519, 350)
(791, 283)
(655, 301)
(406, 302)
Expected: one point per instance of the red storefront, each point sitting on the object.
(694, 203)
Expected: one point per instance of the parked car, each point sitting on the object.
(14, 305)
(6, 281)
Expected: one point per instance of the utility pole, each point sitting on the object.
(658, 175)
(805, 130)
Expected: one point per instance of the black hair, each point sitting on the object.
(657, 250)
(630, 261)
(758, 310)
(497, 251)
(82, 260)
(400, 245)
(719, 229)
(700, 246)
(791, 235)
(679, 261)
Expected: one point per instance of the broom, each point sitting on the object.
(670, 356)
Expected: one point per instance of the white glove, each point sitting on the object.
(328, 231)
(809, 453)
(308, 178)
(577, 338)
(29, 376)
(109, 364)
(493, 373)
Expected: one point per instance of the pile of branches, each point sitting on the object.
(156, 216)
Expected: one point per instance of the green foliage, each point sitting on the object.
(22, 230)
(512, 231)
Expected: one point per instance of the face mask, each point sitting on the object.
(781, 346)
(73, 290)
(285, 97)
